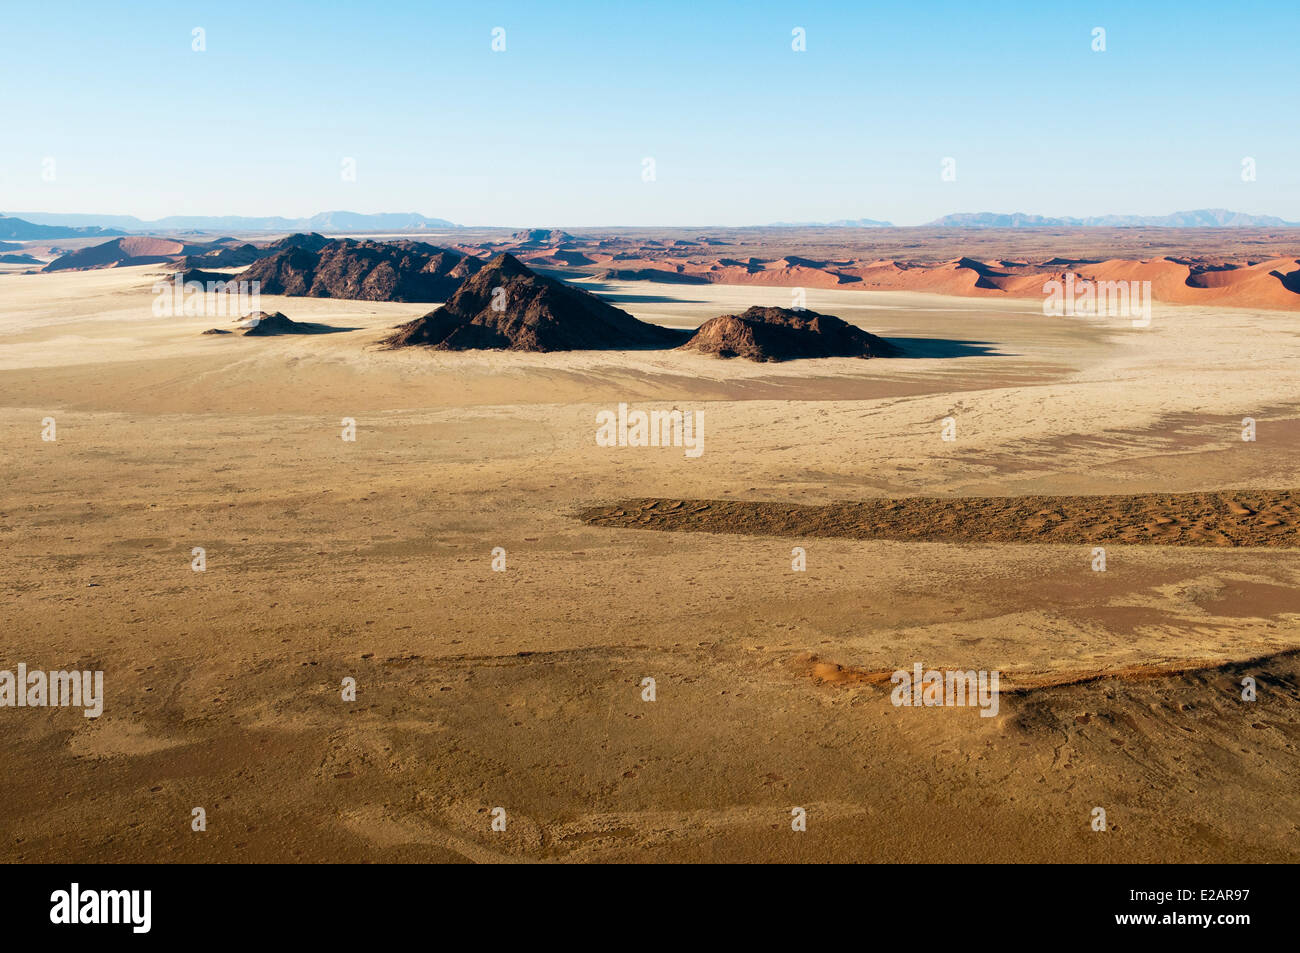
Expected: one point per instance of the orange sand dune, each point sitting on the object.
(120, 252)
(1268, 284)
(1221, 279)
(1273, 284)
(1168, 278)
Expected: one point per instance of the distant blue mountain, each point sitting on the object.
(1198, 218)
(838, 223)
(24, 230)
(321, 222)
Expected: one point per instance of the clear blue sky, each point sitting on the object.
(743, 130)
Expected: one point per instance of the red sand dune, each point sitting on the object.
(1273, 284)
(120, 252)
(1226, 281)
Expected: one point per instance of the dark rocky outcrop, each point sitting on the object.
(505, 306)
(226, 254)
(662, 275)
(203, 277)
(363, 270)
(782, 334)
(541, 236)
(312, 241)
(260, 324)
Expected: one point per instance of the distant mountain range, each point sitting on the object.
(838, 223)
(43, 225)
(1198, 218)
(77, 225)
(24, 230)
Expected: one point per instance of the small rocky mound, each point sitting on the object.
(541, 236)
(505, 306)
(662, 275)
(312, 241)
(783, 334)
(260, 324)
(224, 256)
(203, 277)
(366, 270)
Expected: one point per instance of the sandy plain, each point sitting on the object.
(522, 689)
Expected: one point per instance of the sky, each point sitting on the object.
(108, 108)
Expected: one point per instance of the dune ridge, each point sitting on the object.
(1270, 281)
(1254, 518)
(1026, 683)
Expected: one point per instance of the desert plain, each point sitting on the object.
(372, 559)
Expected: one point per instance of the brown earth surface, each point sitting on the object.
(372, 559)
(1253, 518)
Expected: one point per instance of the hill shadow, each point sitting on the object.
(679, 337)
(644, 299)
(311, 327)
(275, 329)
(944, 347)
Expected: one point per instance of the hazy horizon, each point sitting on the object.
(120, 221)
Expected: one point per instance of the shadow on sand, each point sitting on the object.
(644, 299)
(311, 327)
(944, 347)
